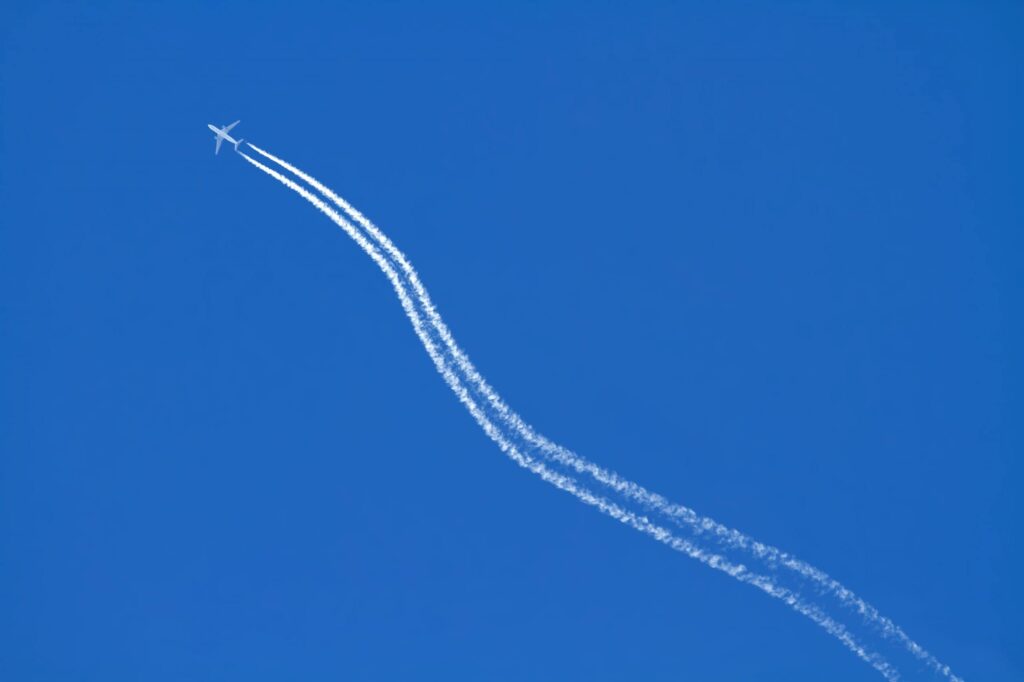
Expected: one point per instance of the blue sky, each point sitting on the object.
(763, 258)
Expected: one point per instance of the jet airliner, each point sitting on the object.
(222, 134)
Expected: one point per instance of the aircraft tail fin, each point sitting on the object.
(238, 143)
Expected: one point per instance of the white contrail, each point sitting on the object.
(561, 481)
(678, 513)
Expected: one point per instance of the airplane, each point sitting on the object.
(222, 134)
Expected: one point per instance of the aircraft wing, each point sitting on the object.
(219, 140)
(227, 129)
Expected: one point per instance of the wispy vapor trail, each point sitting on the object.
(519, 441)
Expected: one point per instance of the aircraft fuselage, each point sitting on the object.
(220, 133)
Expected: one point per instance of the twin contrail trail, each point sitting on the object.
(782, 576)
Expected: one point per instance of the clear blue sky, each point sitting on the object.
(764, 258)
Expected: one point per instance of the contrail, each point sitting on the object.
(678, 514)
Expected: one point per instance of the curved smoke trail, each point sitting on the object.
(451, 362)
